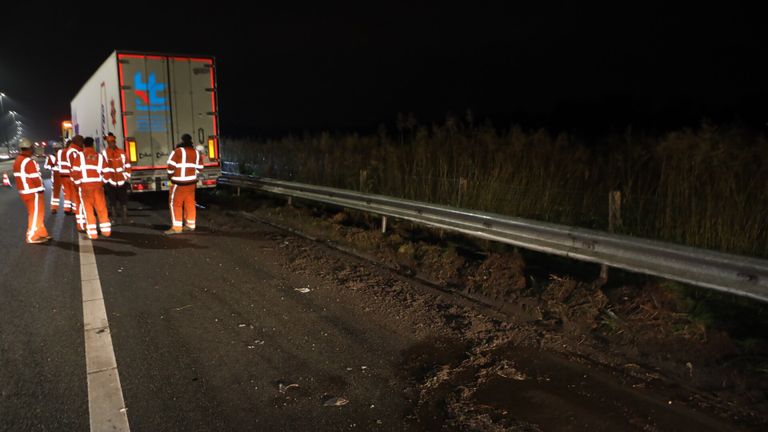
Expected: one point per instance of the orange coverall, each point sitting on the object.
(183, 165)
(73, 157)
(52, 164)
(91, 179)
(29, 183)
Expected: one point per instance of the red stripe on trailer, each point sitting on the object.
(215, 114)
(213, 102)
(122, 105)
(139, 56)
(144, 168)
(204, 60)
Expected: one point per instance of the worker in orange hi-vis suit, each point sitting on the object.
(52, 165)
(117, 177)
(29, 183)
(184, 164)
(64, 170)
(73, 157)
(91, 167)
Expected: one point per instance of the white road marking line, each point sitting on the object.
(105, 395)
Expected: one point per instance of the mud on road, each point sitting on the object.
(507, 343)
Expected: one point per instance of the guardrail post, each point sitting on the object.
(614, 208)
(363, 180)
(383, 224)
(462, 190)
(238, 191)
(614, 221)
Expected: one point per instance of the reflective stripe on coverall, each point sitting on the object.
(29, 183)
(183, 165)
(91, 170)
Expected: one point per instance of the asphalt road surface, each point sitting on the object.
(207, 331)
(42, 374)
(211, 331)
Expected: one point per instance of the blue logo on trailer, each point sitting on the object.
(149, 100)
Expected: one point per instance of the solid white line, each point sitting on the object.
(106, 405)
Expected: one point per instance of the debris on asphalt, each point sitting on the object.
(302, 290)
(284, 388)
(241, 325)
(506, 369)
(183, 307)
(335, 401)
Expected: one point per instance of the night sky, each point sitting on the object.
(315, 67)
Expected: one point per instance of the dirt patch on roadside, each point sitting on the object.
(499, 277)
(489, 368)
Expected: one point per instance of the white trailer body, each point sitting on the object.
(148, 101)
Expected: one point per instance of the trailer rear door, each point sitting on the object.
(145, 90)
(193, 98)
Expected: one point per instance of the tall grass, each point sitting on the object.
(703, 187)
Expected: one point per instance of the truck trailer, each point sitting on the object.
(148, 101)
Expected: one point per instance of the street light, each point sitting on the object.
(3, 129)
(2, 109)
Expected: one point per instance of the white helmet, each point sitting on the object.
(25, 143)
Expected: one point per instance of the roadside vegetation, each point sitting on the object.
(703, 186)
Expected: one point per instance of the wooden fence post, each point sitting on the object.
(363, 180)
(614, 222)
(462, 190)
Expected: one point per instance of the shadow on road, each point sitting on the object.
(154, 240)
(98, 250)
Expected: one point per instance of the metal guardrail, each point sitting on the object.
(743, 276)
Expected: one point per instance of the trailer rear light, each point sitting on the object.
(209, 182)
(212, 149)
(132, 154)
(138, 186)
